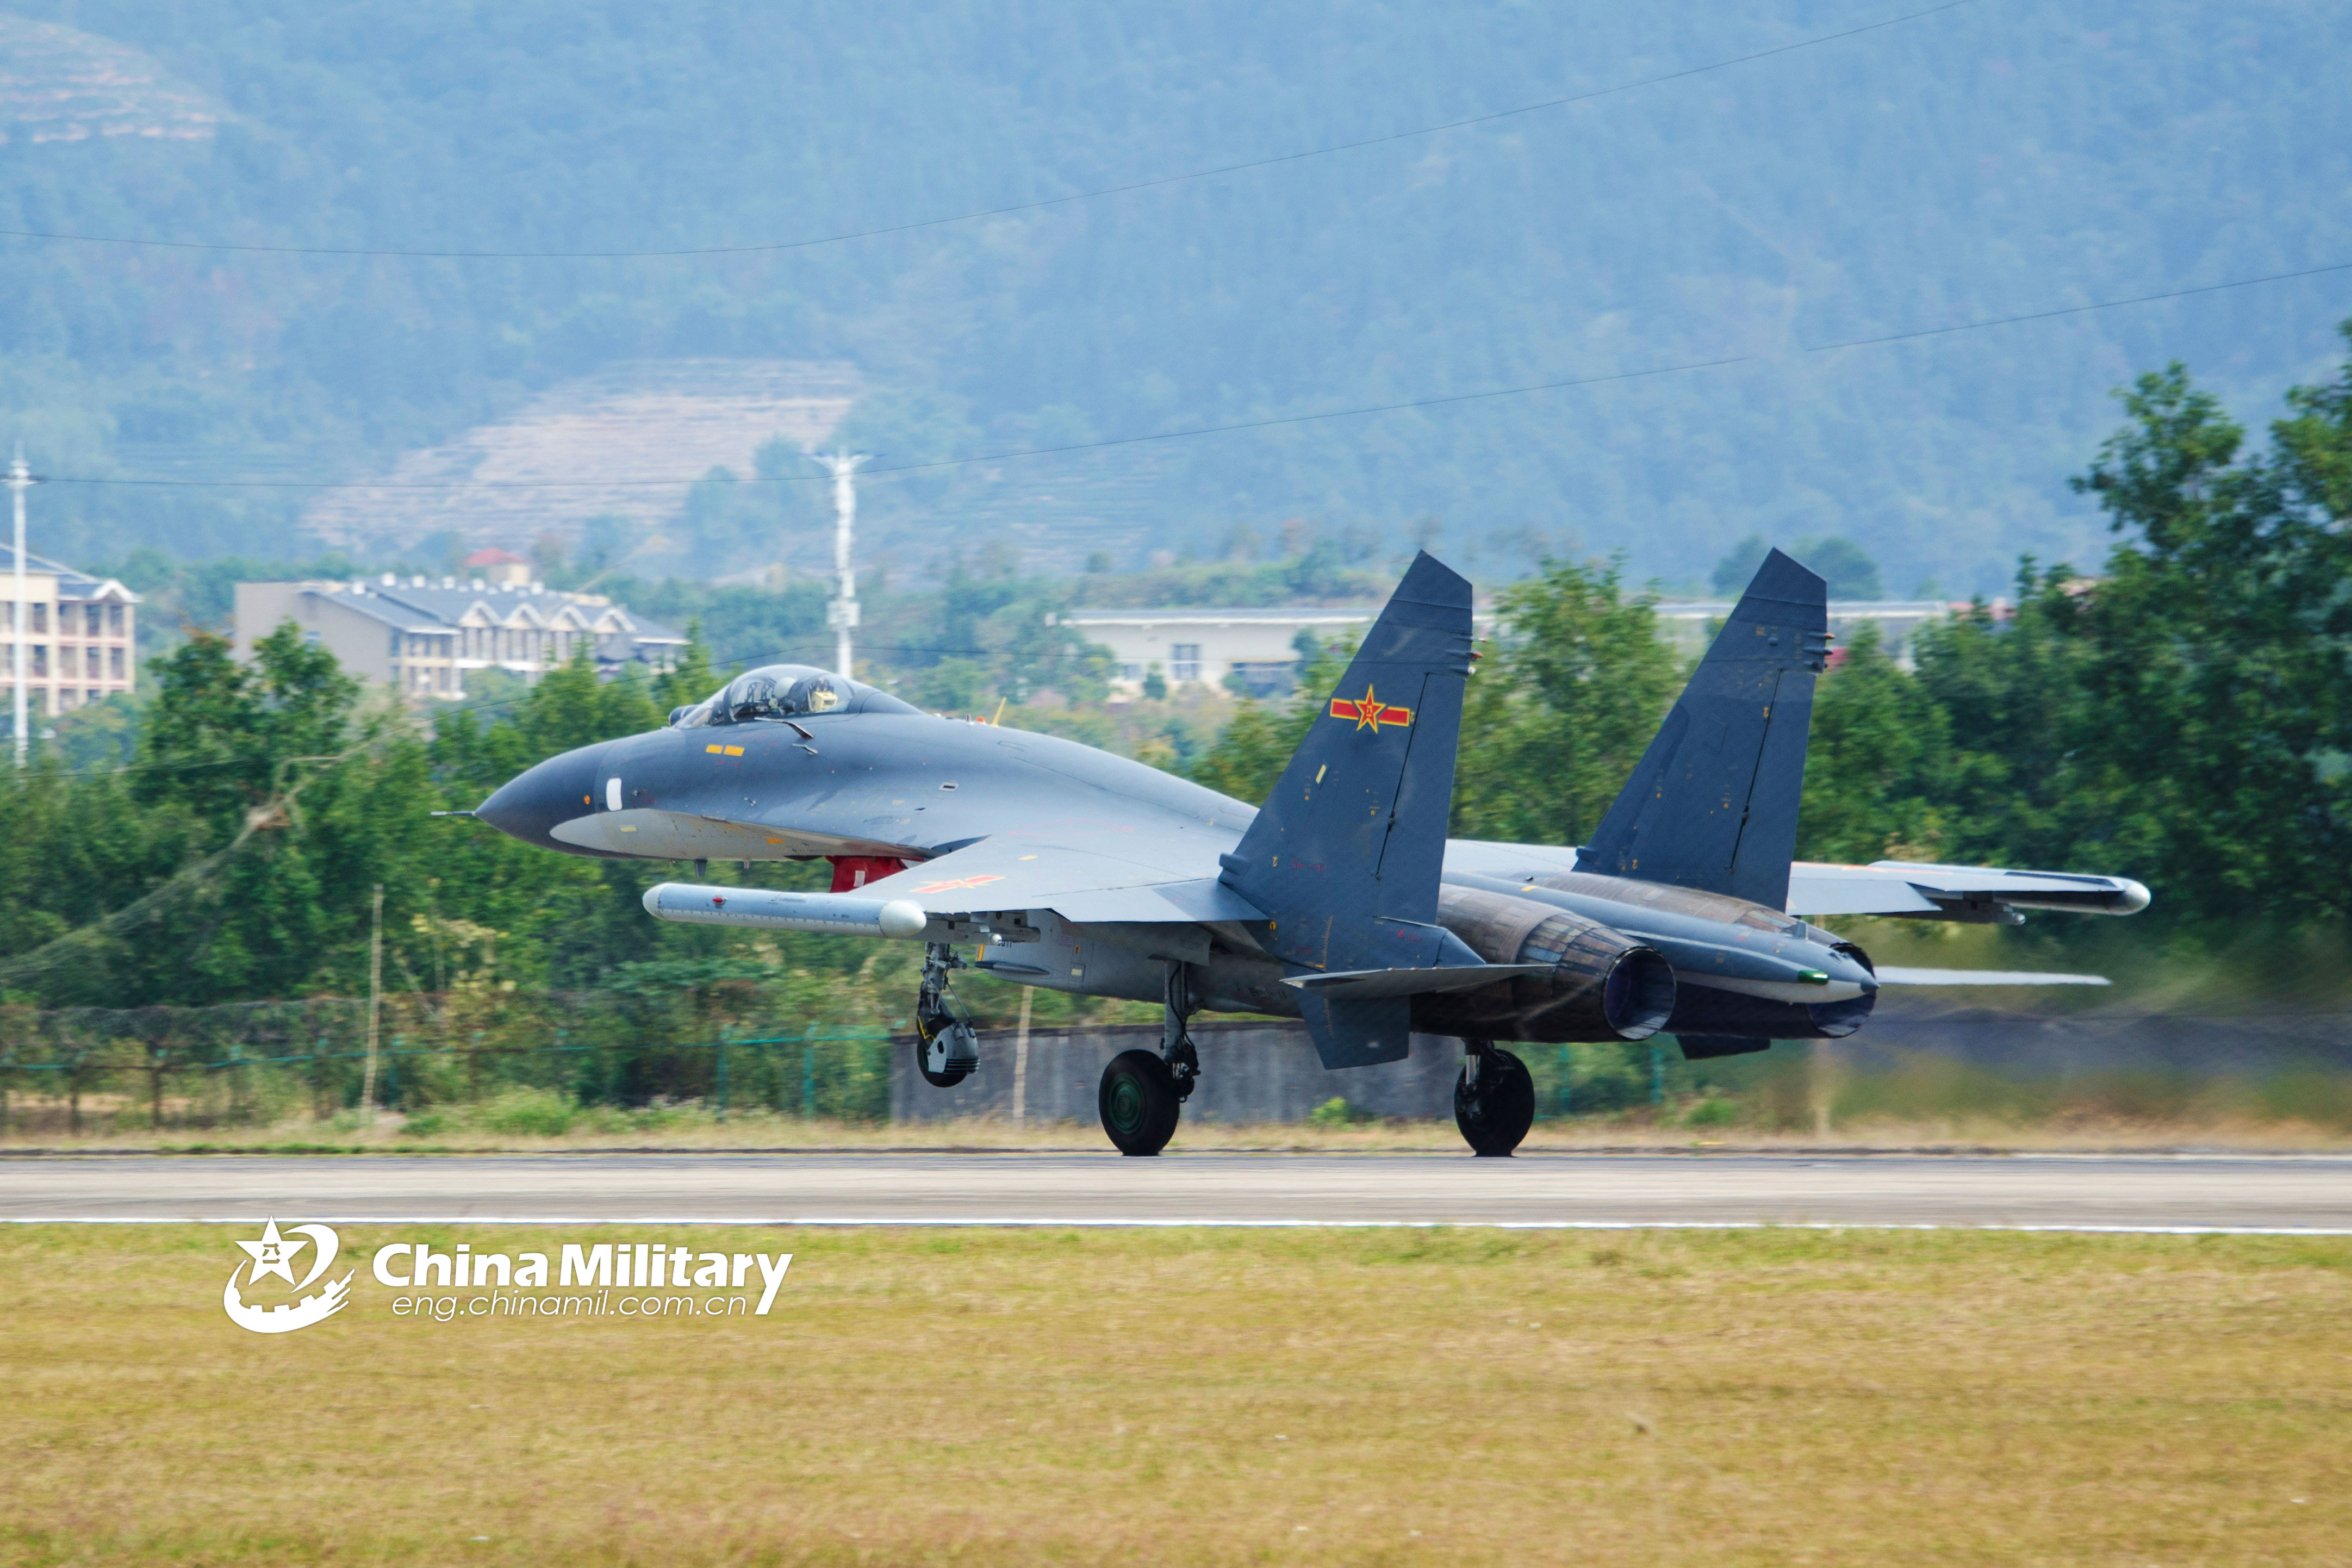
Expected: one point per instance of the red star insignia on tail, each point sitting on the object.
(1369, 711)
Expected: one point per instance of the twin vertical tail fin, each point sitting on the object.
(1346, 854)
(1713, 804)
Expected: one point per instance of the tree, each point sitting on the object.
(1844, 565)
(2216, 667)
(221, 733)
(1731, 573)
(1877, 770)
(1561, 712)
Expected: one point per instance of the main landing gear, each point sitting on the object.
(947, 1047)
(1493, 1100)
(1143, 1093)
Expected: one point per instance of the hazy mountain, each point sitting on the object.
(1988, 160)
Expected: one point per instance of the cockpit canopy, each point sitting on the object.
(785, 692)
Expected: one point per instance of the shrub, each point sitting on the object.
(1712, 1111)
(1333, 1112)
(530, 1113)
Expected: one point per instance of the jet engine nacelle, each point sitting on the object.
(1704, 1010)
(1603, 985)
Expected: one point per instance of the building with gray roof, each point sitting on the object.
(80, 635)
(421, 636)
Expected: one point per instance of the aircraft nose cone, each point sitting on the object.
(554, 792)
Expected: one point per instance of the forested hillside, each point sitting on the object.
(1987, 160)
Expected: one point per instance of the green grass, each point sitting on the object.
(1208, 1397)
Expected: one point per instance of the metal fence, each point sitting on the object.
(725, 1050)
(256, 1062)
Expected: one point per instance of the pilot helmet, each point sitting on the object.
(754, 695)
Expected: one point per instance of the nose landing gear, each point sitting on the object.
(1493, 1100)
(947, 1047)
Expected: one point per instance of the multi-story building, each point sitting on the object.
(79, 631)
(422, 637)
(1184, 647)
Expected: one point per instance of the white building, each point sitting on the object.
(80, 635)
(1204, 646)
(422, 637)
(1689, 623)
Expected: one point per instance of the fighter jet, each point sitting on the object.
(1338, 900)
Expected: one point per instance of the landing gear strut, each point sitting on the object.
(1143, 1095)
(1175, 1040)
(947, 1047)
(1493, 1100)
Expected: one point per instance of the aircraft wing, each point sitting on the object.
(1985, 894)
(1093, 874)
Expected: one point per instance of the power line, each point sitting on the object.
(2079, 309)
(906, 468)
(973, 216)
(1191, 432)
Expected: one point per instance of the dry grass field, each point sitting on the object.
(1209, 1397)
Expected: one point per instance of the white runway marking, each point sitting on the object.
(1115, 1224)
(2184, 1195)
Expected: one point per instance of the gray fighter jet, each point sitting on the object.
(1339, 901)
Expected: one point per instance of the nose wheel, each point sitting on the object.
(947, 1047)
(1493, 1100)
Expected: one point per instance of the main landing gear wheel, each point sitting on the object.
(1138, 1103)
(1494, 1100)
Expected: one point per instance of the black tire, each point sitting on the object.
(1139, 1103)
(947, 1079)
(1494, 1119)
(936, 1079)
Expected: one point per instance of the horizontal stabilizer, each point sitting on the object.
(1411, 981)
(1700, 1047)
(1890, 974)
(1358, 1031)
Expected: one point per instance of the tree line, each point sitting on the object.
(2180, 717)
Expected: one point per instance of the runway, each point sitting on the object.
(2040, 1192)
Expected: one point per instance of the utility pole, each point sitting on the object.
(842, 613)
(376, 1004)
(20, 480)
(1021, 1062)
